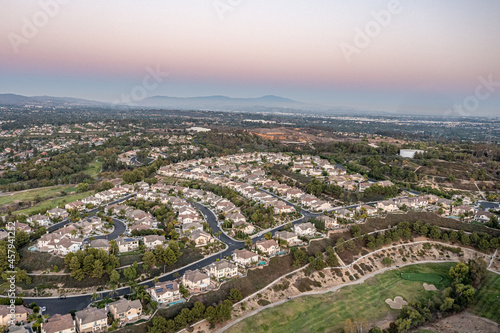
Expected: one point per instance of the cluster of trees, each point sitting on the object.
(6, 260)
(162, 255)
(465, 278)
(405, 231)
(318, 188)
(65, 168)
(214, 314)
(92, 263)
(482, 241)
(318, 261)
(381, 191)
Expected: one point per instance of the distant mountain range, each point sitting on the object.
(268, 103)
(224, 103)
(19, 100)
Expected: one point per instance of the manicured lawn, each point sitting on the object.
(327, 312)
(487, 301)
(52, 203)
(42, 193)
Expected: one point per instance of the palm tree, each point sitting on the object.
(95, 296)
(113, 290)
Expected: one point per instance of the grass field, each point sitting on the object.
(94, 169)
(327, 312)
(487, 301)
(422, 277)
(42, 193)
(52, 203)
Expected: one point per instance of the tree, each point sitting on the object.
(459, 273)
(82, 187)
(149, 259)
(447, 304)
(387, 261)
(21, 238)
(235, 295)
(361, 324)
(355, 231)
(349, 326)
(98, 271)
(76, 271)
(268, 235)
(477, 271)
(114, 277)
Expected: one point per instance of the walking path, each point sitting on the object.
(335, 288)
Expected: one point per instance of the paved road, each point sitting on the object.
(78, 302)
(66, 221)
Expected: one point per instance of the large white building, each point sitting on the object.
(410, 153)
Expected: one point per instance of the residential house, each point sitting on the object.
(78, 205)
(244, 227)
(91, 320)
(57, 213)
(41, 220)
(195, 280)
(125, 310)
(127, 244)
(222, 269)
(245, 257)
(344, 213)
(269, 247)
(289, 237)
(59, 324)
(387, 206)
(364, 186)
(22, 227)
(457, 210)
(482, 216)
(366, 209)
(100, 244)
(201, 238)
(20, 315)
(330, 222)
(305, 229)
(165, 292)
(151, 241)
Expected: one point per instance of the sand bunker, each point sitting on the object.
(397, 303)
(429, 286)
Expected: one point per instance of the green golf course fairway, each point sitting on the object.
(422, 277)
(327, 312)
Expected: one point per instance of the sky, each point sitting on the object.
(402, 56)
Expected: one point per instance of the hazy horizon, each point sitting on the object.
(424, 57)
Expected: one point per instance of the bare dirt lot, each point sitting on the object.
(463, 323)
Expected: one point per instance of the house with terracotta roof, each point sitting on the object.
(59, 324)
(269, 247)
(20, 315)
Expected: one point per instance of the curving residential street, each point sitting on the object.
(55, 305)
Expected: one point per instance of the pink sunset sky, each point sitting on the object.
(428, 54)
